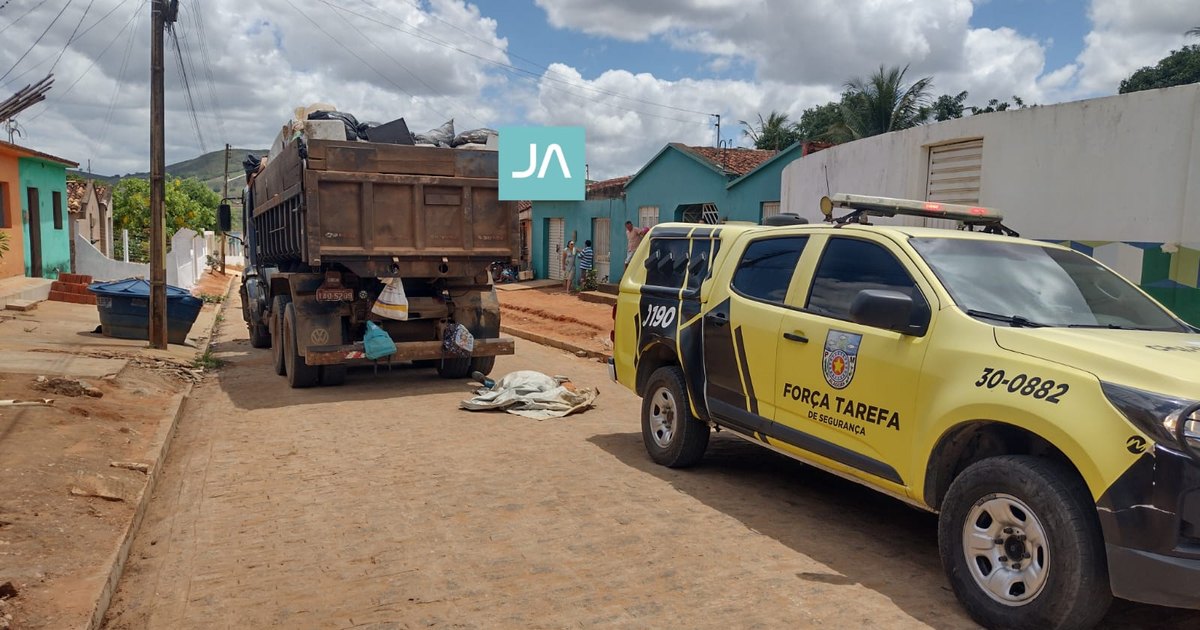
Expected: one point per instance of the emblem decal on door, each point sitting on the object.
(840, 357)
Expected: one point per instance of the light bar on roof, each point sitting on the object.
(886, 206)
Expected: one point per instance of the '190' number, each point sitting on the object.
(659, 316)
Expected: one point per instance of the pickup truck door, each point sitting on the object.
(741, 330)
(847, 392)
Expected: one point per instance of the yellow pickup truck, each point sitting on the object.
(1044, 406)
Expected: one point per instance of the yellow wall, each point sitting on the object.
(13, 262)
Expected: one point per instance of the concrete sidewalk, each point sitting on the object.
(68, 514)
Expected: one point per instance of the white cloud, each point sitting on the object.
(1127, 35)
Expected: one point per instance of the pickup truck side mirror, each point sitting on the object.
(890, 310)
(224, 217)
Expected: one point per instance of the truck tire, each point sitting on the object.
(277, 344)
(484, 365)
(672, 435)
(1035, 507)
(454, 368)
(333, 375)
(260, 335)
(299, 374)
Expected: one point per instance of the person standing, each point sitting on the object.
(568, 265)
(587, 273)
(634, 237)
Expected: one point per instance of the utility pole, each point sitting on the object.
(718, 117)
(224, 197)
(162, 12)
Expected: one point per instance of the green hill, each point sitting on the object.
(208, 168)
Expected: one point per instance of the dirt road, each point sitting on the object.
(380, 505)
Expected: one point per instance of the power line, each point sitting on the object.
(187, 87)
(206, 60)
(112, 103)
(435, 92)
(73, 33)
(96, 60)
(31, 10)
(549, 72)
(38, 40)
(78, 37)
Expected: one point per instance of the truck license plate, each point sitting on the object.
(335, 295)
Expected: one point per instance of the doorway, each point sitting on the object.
(34, 230)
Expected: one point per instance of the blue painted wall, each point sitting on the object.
(746, 195)
(577, 224)
(671, 180)
(48, 178)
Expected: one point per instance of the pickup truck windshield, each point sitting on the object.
(1020, 284)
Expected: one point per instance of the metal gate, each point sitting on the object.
(954, 175)
(602, 246)
(556, 231)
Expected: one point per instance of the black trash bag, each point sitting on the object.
(251, 164)
(473, 136)
(354, 129)
(442, 136)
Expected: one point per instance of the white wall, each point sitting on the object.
(92, 262)
(1120, 168)
(186, 261)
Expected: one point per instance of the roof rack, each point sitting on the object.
(863, 206)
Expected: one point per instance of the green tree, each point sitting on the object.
(996, 105)
(948, 107)
(882, 102)
(1181, 67)
(189, 204)
(775, 132)
(821, 122)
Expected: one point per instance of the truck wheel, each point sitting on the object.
(672, 435)
(333, 375)
(454, 368)
(277, 344)
(483, 364)
(299, 374)
(1021, 545)
(260, 335)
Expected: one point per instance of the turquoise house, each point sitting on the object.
(680, 183)
(47, 230)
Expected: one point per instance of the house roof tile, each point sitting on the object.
(734, 161)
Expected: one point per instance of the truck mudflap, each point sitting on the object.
(352, 354)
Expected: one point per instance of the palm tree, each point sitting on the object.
(1194, 31)
(882, 103)
(775, 132)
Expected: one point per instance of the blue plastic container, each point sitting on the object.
(124, 307)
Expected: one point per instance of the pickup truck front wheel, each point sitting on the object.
(1021, 545)
(672, 435)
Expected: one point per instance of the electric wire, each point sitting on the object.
(62, 95)
(22, 16)
(184, 50)
(112, 103)
(73, 33)
(17, 77)
(465, 110)
(37, 41)
(187, 87)
(206, 61)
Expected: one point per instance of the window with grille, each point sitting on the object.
(647, 216)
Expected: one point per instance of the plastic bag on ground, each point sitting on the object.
(392, 303)
(531, 394)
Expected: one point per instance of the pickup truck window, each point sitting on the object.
(666, 264)
(1041, 286)
(850, 265)
(766, 268)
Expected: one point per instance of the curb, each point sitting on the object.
(166, 433)
(597, 297)
(554, 343)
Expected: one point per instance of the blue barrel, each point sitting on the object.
(124, 307)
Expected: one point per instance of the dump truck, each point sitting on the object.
(329, 224)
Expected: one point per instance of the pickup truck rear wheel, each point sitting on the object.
(1021, 545)
(299, 373)
(672, 435)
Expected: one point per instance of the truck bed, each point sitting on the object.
(383, 209)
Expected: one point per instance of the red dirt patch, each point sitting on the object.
(556, 314)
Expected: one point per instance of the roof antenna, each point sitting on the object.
(725, 146)
(718, 117)
(827, 191)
